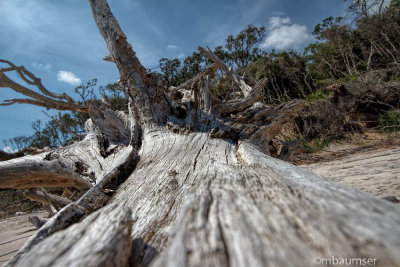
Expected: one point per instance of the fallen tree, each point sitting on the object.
(184, 179)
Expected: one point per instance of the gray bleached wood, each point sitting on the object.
(198, 198)
(101, 239)
(205, 202)
(95, 198)
(78, 165)
(36, 171)
(47, 198)
(228, 74)
(243, 208)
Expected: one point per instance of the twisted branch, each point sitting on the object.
(46, 99)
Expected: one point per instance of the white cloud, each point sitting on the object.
(40, 66)
(283, 34)
(276, 22)
(233, 19)
(172, 47)
(68, 77)
(181, 55)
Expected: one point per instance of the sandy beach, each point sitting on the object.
(376, 172)
(14, 232)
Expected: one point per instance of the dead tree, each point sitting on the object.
(185, 180)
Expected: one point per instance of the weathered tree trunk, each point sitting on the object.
(183, 180)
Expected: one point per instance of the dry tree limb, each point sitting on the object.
(149, 105)
(36, 171)
(95, 198)
(236, 105)
(47, 198)
(278, 117)
(202, 200)
(37, 222)
(197, 197)
(79, 165)
(189, 84)
(226, 72)
(31, 79)
(111, 169)
(47, 99)
(28, 150)
(105, 240)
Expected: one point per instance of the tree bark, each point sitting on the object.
(182, 180)
(47, 198)
(197, 200)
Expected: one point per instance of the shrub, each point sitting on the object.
(390, 121)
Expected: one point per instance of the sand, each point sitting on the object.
(14, 232)
(376, 172)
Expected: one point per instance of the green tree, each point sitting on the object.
(170, 69)
(287, 73)
(242, 48)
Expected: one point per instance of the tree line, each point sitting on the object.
(359, 51)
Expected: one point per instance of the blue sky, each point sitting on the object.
(59, 42)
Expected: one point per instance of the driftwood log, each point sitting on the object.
(186, 180)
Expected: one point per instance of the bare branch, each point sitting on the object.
(146, 91)
(228, 74)
(35, 171)
(26, 75)
(58, 105)
(278, 117)
(37, 222)
(210, 70)
(121, 52)
(28, 150)
(47, 198)
(236, 105)
(47, 99)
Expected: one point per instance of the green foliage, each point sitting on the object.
(174, 72)
(316, 96)
(242, 48)
(334, 55)
(315, 145)
(287, 75)
(170, 69)
(238, 52)
(117, 99)
(343, 52)
(347, 50)
(390, 121)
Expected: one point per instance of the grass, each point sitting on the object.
(390, 121)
